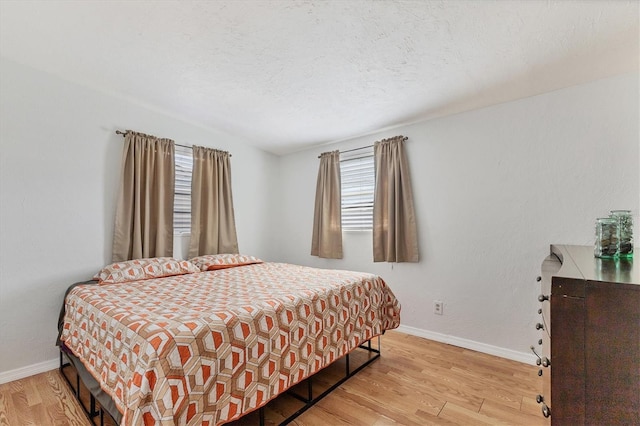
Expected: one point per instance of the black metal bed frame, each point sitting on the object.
(90, 412)
(309, 401)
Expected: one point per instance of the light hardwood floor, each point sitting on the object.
(415, 382)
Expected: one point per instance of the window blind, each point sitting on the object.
(357, 175)
(182, 196)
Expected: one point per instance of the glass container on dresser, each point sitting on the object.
(591, 308)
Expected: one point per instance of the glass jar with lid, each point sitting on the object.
(624, 231)
(606, 237)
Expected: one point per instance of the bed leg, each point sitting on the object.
(347, 363)
(92, 406)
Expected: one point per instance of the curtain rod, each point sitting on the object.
(404, 138)
(177, 144)
(125, 134)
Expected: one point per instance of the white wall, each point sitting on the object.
(59, 172)
(493, 188)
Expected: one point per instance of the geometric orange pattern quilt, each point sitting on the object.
(206, 348)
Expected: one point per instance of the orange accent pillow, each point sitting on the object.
(211, 262)
(144, 269)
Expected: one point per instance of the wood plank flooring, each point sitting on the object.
(415, 382)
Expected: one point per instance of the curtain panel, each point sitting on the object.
(395, 236)
(326, 241)
(144, 212)
(213, 223)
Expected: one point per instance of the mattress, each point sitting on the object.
(206, 348)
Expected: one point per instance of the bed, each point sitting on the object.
(208, 346)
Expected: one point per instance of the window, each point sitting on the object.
(357, 176)
(182, 196)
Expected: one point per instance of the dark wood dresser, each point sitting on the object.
(589, 350)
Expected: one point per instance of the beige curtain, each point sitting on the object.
(327, 219)
(144, 212)
(213, 223)
(395, 236)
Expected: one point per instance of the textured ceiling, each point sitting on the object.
(285, 75)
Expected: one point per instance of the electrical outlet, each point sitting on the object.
(438, 307)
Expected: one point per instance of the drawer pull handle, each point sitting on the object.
(539, 360)
(546, 411)
(543, 297)
(539, 326)
(539, 398)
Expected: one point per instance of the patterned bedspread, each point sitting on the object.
(206, 348)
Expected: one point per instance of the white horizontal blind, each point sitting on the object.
(182, 196)
(357, 175)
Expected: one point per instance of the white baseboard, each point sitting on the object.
(29, 370)
(525, 357)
